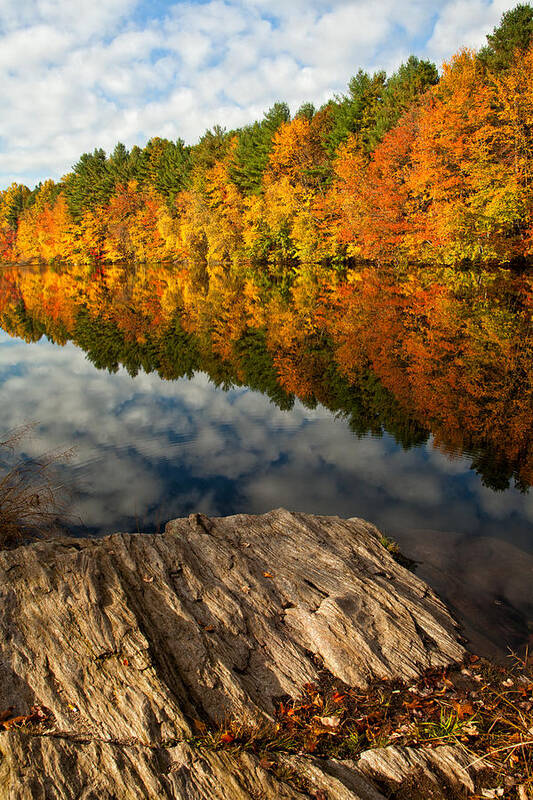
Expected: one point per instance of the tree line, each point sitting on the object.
(411, 167)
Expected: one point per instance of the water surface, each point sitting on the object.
(262, 419)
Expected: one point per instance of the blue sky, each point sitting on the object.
(79, 74)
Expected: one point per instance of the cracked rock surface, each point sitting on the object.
(129, 638)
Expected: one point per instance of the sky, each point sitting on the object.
(80, 74)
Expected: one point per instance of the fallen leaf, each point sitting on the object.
(415, 703)
(470, 730)
(464, 709)
(37, 715)
(200, 726)
(15, 722)
(330, 722)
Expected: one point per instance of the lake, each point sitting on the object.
(402, 398)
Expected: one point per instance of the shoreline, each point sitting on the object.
(190, 655)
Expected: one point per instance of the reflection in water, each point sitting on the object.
(263, 396)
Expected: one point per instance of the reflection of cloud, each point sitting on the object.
(451, 464)
(502, 504)
(147, 450)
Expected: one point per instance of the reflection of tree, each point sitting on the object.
(407, 353)
(26, 326)
(258, 369)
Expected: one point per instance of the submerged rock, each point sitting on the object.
(129, 639)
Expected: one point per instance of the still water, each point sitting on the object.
(147, 449)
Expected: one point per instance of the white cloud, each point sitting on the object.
(79, 75)
(464, 23)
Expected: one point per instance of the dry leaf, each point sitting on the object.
(330, 722)
(470, 730)
(464, 709)
(200, 726)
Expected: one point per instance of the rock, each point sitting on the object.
(52, 768)
(48, 768)
(443, 773)
(131, 638)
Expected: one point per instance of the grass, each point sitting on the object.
(485, 710)
(30, 497)
(394, 549)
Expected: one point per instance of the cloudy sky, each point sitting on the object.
(75, 74)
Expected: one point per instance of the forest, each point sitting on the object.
(415, 167)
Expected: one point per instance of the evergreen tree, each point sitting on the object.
(515, 32)
(119, 164)
(172, 170)
(306, 111)
(356, 112)
(253, 149)
(17, 200)
(90, 184)
(411, 80)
